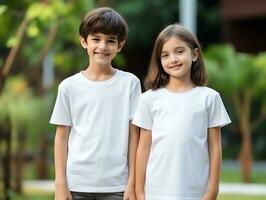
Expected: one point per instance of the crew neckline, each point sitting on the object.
(185, 93)
(103, 82)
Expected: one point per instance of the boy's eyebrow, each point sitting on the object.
(113, 37)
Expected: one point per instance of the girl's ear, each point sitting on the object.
(120, 45)
(83, 42)
(195, 54)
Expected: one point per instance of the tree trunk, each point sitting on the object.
(7, 160)
(245, 155)
(19, 162)
(41, 160)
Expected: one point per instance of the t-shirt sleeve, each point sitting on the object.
(61, 114)
(134, 99)
(217, 115)
(143, 117)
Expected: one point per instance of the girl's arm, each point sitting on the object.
(132, 149)
(60, 156)
(215, 157)
(143, 153)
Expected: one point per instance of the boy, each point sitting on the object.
(95, 142)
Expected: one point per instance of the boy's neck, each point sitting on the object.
(99, 73)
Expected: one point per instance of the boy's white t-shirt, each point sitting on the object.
(99, 114)
(178, 165)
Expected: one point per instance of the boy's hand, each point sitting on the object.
(129, 193)
(209, 196)
(62, 192)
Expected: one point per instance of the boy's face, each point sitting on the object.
(101, 48)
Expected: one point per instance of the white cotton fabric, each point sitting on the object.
(99, 115)
(178, 165)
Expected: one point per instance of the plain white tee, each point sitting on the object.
(99, 114)
(178, 165)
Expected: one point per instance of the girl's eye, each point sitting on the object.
(111, 41)
(164, 55)
(180, 51)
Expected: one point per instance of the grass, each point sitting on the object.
(240, 197)
(228, 176)
(49, 196)
(234, 176)
(34, 196)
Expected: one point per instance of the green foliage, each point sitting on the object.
(233, 72)
(64, 17)
(147, 18)
(22, 109)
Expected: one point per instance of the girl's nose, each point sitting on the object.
(173, 58)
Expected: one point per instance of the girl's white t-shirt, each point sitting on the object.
(178, 165)
(99, 114)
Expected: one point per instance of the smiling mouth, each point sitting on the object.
(101, 53)
(175, 66)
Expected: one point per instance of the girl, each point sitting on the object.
(179, 152)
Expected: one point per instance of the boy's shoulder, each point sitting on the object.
(128, 76)
(70, 80)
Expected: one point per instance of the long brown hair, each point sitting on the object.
(157, 77)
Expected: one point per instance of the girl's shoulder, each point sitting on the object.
(151, 94)
(208, 91)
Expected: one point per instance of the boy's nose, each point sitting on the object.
(103, 45)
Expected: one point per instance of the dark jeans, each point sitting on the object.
(97, 196)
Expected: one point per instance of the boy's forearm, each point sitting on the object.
(132, 149)
(60, 155)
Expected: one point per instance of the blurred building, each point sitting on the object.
(244, 24)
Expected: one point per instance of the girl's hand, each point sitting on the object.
(129, 193)
(62, 193)
(140, 196)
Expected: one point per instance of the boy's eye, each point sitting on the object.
(96, 39)
(111, 41)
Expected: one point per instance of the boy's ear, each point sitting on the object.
(195, 55)
(121, 45)
(83, 42)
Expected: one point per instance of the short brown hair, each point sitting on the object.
(157, 77)
(104, 20)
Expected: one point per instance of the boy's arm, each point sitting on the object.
(215, 157)
(132, 149)
(143, 153)
(60, 156)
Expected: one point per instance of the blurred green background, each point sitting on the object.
(39, 47)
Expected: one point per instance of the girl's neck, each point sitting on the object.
(176, 85)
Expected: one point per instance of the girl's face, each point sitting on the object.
(177, 58)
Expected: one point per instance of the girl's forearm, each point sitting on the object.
(215, 156)
(143, 152)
